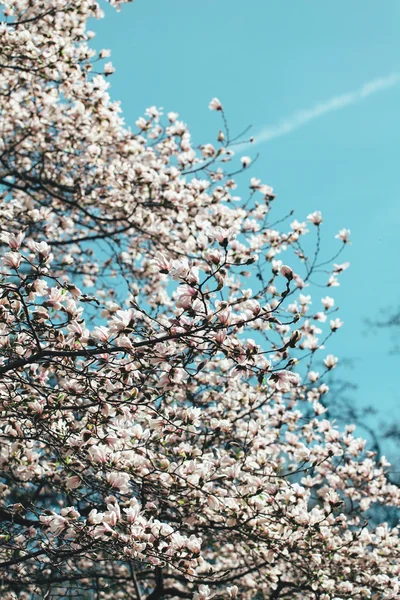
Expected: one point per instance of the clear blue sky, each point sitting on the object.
(266, 60)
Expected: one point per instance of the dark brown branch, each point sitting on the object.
(158, 591)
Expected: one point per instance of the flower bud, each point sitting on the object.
(287, 272)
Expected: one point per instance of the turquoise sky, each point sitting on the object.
(266, 60)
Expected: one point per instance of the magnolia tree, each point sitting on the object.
(162, 422)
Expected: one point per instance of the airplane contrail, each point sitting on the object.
(302, 117)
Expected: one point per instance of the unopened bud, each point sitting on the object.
(287, 272)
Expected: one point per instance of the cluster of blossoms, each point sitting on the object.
(163, 425)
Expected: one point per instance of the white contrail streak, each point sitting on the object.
(302, 117)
